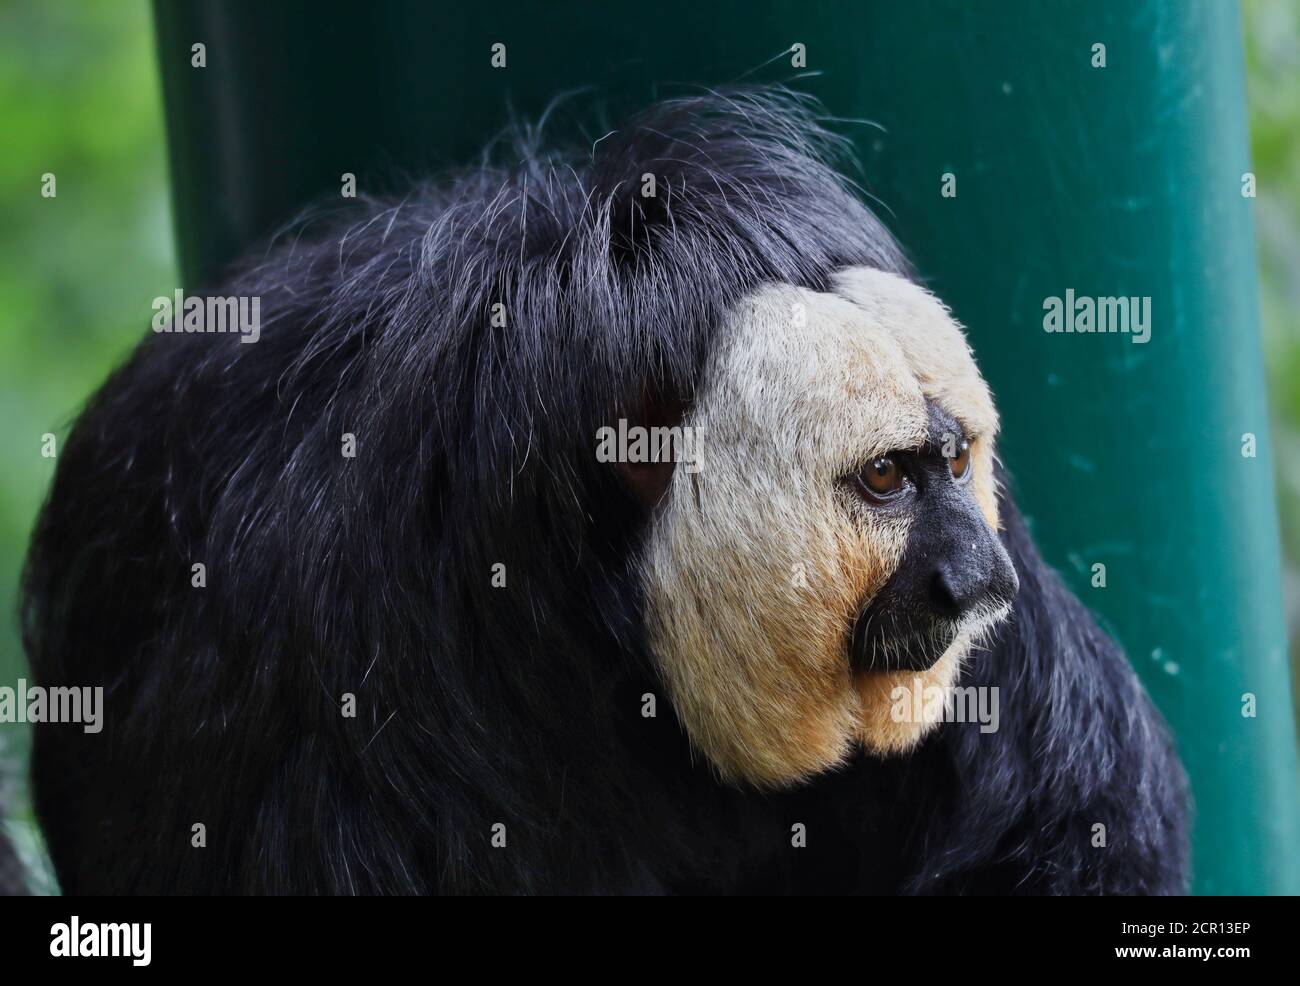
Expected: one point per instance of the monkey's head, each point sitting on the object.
(836, 537)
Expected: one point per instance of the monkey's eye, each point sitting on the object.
(882, 478)
(960, 463)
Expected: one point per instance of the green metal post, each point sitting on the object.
(1115, 180)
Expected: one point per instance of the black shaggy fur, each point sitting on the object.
(518, 705)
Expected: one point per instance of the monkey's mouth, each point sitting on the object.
(897, 641)
(884, 641)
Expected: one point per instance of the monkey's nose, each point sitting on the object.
(956, 588)
(950, 596)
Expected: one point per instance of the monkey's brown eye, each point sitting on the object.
(960, 462)
(882, 477)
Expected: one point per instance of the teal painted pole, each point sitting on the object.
(1122, 179)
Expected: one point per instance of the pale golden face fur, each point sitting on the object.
(759, 563)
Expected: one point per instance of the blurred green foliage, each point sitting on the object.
(1272, 29)
(79, 99)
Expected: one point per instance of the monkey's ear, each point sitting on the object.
(648, 478)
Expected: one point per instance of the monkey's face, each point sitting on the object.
(837, 538)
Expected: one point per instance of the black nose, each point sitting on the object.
(949, 596)
(957, 586)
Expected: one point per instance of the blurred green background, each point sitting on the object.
(79, 98)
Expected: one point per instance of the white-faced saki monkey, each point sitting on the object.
(619, 521)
